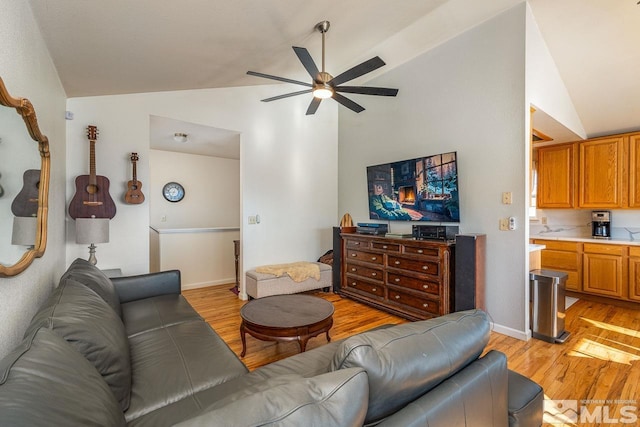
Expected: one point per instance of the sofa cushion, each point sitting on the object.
(156, 312)
(91, 276)
(45, 382)
(171, 363)
(335, 398)
(83, 318)
(406, 361)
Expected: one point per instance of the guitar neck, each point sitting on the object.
(135, 174)
(92, 162)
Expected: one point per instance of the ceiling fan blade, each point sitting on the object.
(368, 90)
(348, 103)
(359, 70)
(281, 79)
(305, 57)
(286, 95)
(315, 103)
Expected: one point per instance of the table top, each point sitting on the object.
(286, 311)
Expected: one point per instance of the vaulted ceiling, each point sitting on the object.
(124, 46)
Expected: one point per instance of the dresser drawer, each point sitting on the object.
(427, 267)
(357, 244)
(364, 256)
(355, 283)
(421, 250)
(389, 247)
(421, 304)
(413, 283)
(368, 272)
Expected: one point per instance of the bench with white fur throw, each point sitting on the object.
(290, 278)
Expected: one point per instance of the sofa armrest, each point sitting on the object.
(132, 288)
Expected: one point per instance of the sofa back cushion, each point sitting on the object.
(405, 361)
(331, 399)
(45, 382)
(91, 276)
(81, 317)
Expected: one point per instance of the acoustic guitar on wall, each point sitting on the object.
(134, 194)
(26, 202)
(92, 196)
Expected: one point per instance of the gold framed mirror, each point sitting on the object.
(24, 189)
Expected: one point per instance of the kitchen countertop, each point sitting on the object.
(536, 247)
(587, 239)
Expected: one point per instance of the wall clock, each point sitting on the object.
(173, 192)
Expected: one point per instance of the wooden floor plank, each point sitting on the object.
(599, 361)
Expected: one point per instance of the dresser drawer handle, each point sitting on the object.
(353, 284)
(425, 267)
(397, 296)
(354, 255)
(425, 305)
(397, 279)
(425, 286)
(397, 263)
(374, 274)
(420, 251)
(353, 269)
(373, 258)
(384, 246)
(356, 243)
(373, 289)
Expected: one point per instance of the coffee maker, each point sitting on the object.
(601, 224)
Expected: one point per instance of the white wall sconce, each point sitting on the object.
(24, 231)
(180, 137)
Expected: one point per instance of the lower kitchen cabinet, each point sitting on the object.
(604, 270)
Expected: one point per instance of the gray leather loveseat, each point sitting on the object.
(132, 351)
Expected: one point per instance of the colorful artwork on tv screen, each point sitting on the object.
(422, 189)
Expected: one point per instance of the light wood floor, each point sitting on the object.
(598, 363)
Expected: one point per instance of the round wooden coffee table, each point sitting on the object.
(286, 318)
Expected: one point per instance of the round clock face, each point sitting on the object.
(173, 192)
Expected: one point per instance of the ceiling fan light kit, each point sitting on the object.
(323, 85)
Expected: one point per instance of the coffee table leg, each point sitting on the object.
(303, 343)
(244, 340)
(328, 337)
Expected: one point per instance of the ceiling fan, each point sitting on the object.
(323, 85)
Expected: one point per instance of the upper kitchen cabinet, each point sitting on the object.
(603, 180)
(634, 170)
(557, 176)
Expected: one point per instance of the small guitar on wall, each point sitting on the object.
(92, 191)
(134, 194)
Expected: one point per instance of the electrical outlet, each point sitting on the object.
(163, 218)
(252, 219)
(543, 220)
(507, 198)
(503, 225)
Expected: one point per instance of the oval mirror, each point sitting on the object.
(24, 185)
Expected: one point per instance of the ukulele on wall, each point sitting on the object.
(134, 194)
(92, 191)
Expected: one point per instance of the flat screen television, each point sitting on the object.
(422, 189)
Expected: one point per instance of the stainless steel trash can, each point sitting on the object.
(547, 305)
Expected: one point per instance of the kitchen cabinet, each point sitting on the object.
(557, 176)
(634, 273)
(603, 175)
(563, 256)
(634, 170)
(604, 270)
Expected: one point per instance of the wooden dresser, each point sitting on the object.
(409, 278)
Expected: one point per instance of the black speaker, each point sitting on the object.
(470, 272)
(337, 259)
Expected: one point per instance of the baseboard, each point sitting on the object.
(230, 281)
(514, 333)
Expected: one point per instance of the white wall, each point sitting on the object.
(544, 86)
(288, 168)
(466, 95)
(27, 70)
(212, 190)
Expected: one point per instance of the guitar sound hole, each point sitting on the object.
(92, 189)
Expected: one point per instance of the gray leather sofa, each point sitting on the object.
(132, 351)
